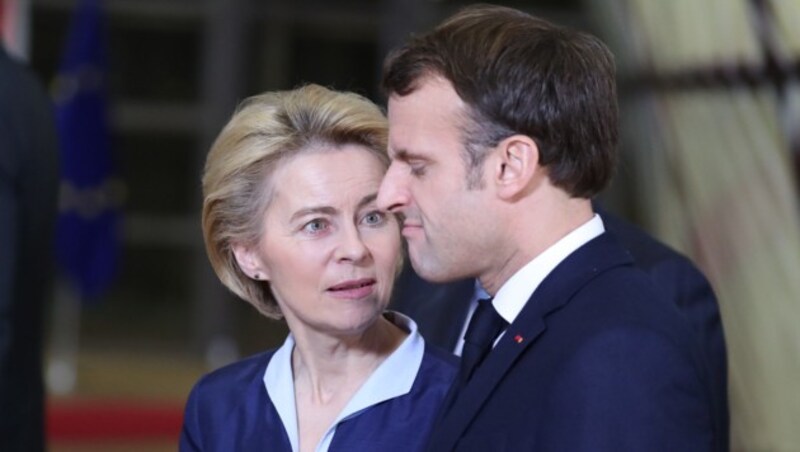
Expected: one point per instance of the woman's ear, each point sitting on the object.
(250, 262)
(518, 166)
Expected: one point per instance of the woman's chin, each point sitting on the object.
(355, 327)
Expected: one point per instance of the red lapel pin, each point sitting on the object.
(519, 339)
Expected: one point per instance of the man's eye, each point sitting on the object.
(375, 218)
(417, 169)
(315, 226)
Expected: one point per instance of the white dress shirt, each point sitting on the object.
(514, 293)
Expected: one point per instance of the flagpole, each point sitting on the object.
(87, 245)
(62, 366)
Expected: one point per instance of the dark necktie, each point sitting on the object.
(484, 327)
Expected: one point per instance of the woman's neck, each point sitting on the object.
(326, 365)
(328, 371)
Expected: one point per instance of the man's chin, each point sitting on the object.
(430, 270)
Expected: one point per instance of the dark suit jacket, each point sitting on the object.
(597, 360)
(441, 309)
(28, 189)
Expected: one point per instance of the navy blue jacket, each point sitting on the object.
(597, 360)
(230, 410)
(440, 310)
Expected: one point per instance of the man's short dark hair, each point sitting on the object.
(522, 75)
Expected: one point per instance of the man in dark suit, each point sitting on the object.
(502, 128)
(442, 311)
(28, 188)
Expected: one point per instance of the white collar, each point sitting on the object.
(513, 295)
(393, 378)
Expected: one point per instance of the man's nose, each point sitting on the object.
(393, 195)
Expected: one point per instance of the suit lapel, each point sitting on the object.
(471, 398)
(597, 256)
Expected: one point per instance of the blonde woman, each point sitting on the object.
(291, 226)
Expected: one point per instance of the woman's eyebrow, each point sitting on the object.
(366, 200)
(327, 210)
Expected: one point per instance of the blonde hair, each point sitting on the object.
(265, 130)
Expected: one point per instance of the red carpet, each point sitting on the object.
(103, 419)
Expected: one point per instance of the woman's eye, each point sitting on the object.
(315, 226)
(374, 218)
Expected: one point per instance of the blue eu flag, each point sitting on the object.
(87, 233)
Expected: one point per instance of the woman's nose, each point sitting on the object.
(352, 247)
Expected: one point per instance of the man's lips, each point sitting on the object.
(410, 228)
(353, 289)
(414, 222)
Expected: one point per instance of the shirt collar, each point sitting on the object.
(394, 377)
(513, 295)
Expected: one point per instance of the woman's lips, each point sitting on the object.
(353, 289)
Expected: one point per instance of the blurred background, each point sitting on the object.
(710, 95)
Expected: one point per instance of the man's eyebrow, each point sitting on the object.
(327, 210)
(400, 154)
(405, 156)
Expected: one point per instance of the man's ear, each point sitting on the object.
(518, 170)
(250, 262)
